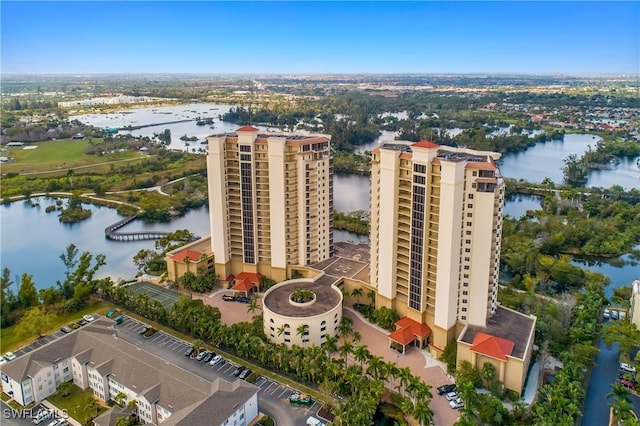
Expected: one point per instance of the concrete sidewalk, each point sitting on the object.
(531, 389)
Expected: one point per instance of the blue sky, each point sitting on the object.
(320, 37)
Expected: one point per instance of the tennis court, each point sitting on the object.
(164, 296)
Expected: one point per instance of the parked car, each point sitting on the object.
(202, 354)
(623, 366)
(239, 370)
(66, 329)
(446, 389)
(622, 315)
(88, 318)
(216, 359)
(245, 373)
(606, 314)
(456, 404)
(42, 416)
(189, 351)
(243, 299)
(228, 298)
(10, 356)
(451, 396)
(208, 357)
(629, 384)
(113, 313)
(3, 361)
(614, 315)
(82, 322)
(144, 330)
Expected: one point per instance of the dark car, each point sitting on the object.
(228, 298)
(239, 370)
(208, 357)
(189, 351)
(245, 373)
(243, 299)
(446, 389)
(81, 322)
(66, 329)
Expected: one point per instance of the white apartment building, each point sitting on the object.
(436, 217)
(270, 201)
(93, 357)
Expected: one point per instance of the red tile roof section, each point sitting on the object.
(426, 144)
(420, 330)
(407, 331)
(230, 278)
(404, 336)
(254, 278)
(247, 129)
(492, 346)
(194, 256)
(243, 285)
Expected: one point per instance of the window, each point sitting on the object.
(469, 206)
(420, 168)
(469, 223)
(471, 196)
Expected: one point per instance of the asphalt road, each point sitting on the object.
(273, 396)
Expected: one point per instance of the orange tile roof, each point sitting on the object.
(254, 278)
(230, 277)
(492, 346)
(194, 256)
(404, 336)
(419, 329)
(243, 285)
(247, 129)
(481, 166)
(426, 144)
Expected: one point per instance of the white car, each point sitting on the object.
(10, 356)
(606, 314)
(627, 367)
(215, 360)
(456, 403)
(451, 396)
(89, 318)
(3, 361)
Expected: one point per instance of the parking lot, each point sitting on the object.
(273, 395)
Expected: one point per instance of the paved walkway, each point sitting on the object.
(60, 413)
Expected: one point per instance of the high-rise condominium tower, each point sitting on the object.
(270, 201)
(436, 217)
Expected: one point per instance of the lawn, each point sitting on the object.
(57, 155)
(76, 404)
(9, 341)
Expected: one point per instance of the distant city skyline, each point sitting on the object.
(572, 38)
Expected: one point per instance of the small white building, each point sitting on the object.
(284, 318)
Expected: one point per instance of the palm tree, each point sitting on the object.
(302, 331)
(362, 354)
(92, 406)
(405, 375)
(345, 328)
(372, 297)
(357, 292)
(253, 304)
(345, 350)
(357, 337)
(330, 344)
(65, 388)
(422, 413)
(376, 367)
(198, 344)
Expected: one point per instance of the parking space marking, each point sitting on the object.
(283, 392)
(277, 389)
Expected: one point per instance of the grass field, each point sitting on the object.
(50, 156)
(9, 341)
(164, 296)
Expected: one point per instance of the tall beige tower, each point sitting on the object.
(436, 217)
(270, 201)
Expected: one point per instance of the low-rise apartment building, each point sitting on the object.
(93, 357)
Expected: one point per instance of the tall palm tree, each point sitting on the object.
(357, 292)
(345, 350)
(345, 328)
(302, 332)
(362, 354)
(253, 304)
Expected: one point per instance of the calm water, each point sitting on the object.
(32, 240)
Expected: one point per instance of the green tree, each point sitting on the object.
(27, 294)
(488, 372)
(65, 388)
(449, 355)
(357, 292)
(623, 332)
(35, 322)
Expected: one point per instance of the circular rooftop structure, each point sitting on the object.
(301, 312)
